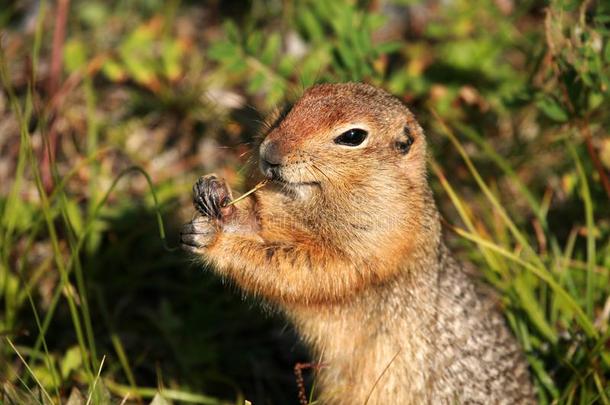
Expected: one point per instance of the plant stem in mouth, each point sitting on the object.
(257, 187)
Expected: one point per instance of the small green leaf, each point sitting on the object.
(286, 65)
(347, 57)
(362, 38)
(551, 108)
(254, 43)
(172, 56)
(311, 26)
(276, 93)
(232, 31)
(223, 51)
(595, 100)
(93, 13)
(257, 82)
(75, 55)
(237, 65)
(72, 361)
(74, 216)
(113, 70)
(45, 376)
(388, 47)
(140, 70)
(271, 49)
(375, 21)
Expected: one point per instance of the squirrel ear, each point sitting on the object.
(404, 146)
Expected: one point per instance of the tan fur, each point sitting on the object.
(349, 246)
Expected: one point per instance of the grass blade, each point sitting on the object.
(29, 370)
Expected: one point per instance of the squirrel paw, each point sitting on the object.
(198, 234)
(210, 196)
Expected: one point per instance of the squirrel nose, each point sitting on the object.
(270, 159)
(270, 153)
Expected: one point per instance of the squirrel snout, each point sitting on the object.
(270, 153)
(270, 159)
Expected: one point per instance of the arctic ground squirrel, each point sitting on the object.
(345, 240)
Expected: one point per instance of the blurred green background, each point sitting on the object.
(110, 110)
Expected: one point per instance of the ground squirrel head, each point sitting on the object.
(337, 135)
(349, 162)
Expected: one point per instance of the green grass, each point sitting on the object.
(525, 276)
(96, 300)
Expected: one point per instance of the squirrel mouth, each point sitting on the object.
(287, 184)
(274, 174)
(283, 182)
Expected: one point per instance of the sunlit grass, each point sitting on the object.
(109, 292)
(552, 303)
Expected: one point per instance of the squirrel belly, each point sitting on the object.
(345, 239)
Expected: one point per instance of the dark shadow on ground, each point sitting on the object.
(178, 323)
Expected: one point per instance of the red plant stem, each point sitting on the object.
(53, 84)
(59, 37)
(298, 372)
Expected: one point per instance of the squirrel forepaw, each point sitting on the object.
(210, 197)
(198, 234)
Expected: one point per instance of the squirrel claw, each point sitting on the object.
(210, 196)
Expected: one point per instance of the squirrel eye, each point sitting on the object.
(352, 137)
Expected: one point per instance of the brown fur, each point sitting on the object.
(347, 242)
